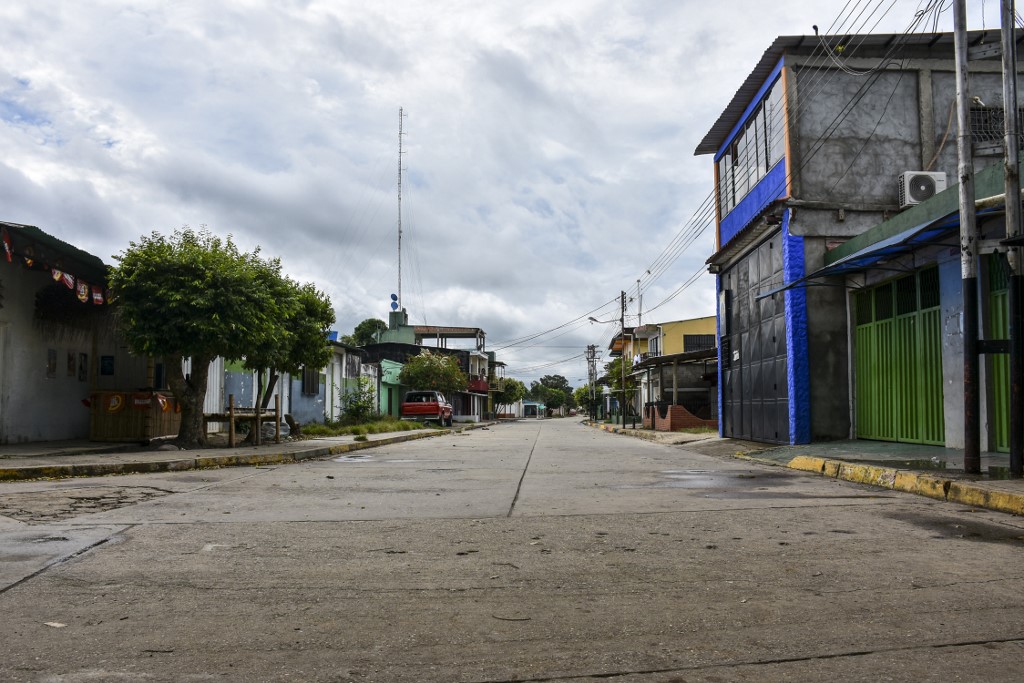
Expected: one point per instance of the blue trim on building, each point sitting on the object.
(756, 100)
(798, 375)
(770, 188)
(721, 376)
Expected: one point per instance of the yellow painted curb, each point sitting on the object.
(884, 477)
(807, 463)
(971, 494)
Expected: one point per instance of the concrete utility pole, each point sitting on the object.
(968, 246)
(622, 358)
(1013, 229)
(592, 378)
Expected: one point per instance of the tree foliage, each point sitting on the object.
(364, 332)
(555, 399)
(360, 401)
(307, 315)
(434, 371)
(584, 399)
(195, 296)
(614, 373)
(513, 392)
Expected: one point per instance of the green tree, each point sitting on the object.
(196, 296)
(562, 384)
(555, 399)
(364, 333)
(584, 399)
(513, 392)
(614, 372)
(537, 392)
(307, 315)
(434, 371)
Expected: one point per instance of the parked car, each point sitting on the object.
(427, 406)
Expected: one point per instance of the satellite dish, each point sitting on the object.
(394, 305)
(394, 297)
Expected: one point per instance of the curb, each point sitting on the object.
(201, 462)
(966, 492)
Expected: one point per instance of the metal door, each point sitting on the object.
(898, 361)
(999, 363)
(755, 389)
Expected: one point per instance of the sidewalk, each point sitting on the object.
(56, 460)
(930, 471)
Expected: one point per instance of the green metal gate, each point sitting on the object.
(898, 362)
(999, 363)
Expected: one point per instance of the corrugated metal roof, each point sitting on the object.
(915, 45)
(52, 252)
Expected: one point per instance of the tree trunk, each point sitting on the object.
(190, 394)
(271, 383)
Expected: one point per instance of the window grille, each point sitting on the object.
(987, 129)
(310, 381)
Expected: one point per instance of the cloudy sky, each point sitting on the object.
(548, 146)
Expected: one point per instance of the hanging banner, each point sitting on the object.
(165, 405)
(8, 250)
(142, 401)
(83, 291)
(115, 402)
(97, 294)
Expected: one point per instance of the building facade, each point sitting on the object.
(827, 139)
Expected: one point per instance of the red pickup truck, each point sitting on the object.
(427, 406)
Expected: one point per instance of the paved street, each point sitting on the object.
(533, 551)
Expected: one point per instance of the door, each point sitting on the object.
(898, 361)
(999, 363)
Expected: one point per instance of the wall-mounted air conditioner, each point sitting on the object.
(917, 186)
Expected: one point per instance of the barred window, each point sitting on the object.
(698, 342)
(310, 381)
(987, 128)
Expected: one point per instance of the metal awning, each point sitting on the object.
(929, 233)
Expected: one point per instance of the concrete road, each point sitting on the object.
(535, 551)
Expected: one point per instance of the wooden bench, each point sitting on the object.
(250, 415)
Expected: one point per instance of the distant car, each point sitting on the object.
(427, 406)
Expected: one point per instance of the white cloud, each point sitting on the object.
(548, 145)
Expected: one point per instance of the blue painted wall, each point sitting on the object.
(798, 374)
(307, 409)
(771, 187)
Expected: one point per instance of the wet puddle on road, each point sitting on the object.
(735, 485)
(367, 458)
(708, 479)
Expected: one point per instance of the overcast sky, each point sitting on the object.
(548, 145)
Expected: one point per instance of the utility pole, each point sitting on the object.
(622, 357)
(968, 246)
(592, 378)
(1013, 229)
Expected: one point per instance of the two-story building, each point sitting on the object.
(402, 341)
(836, 257)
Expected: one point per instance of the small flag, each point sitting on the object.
(97, 294)
(83, 291)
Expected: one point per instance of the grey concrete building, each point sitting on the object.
(830, 140)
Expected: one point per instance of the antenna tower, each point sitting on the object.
(400, 118)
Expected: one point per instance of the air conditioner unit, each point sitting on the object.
(917, 186)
